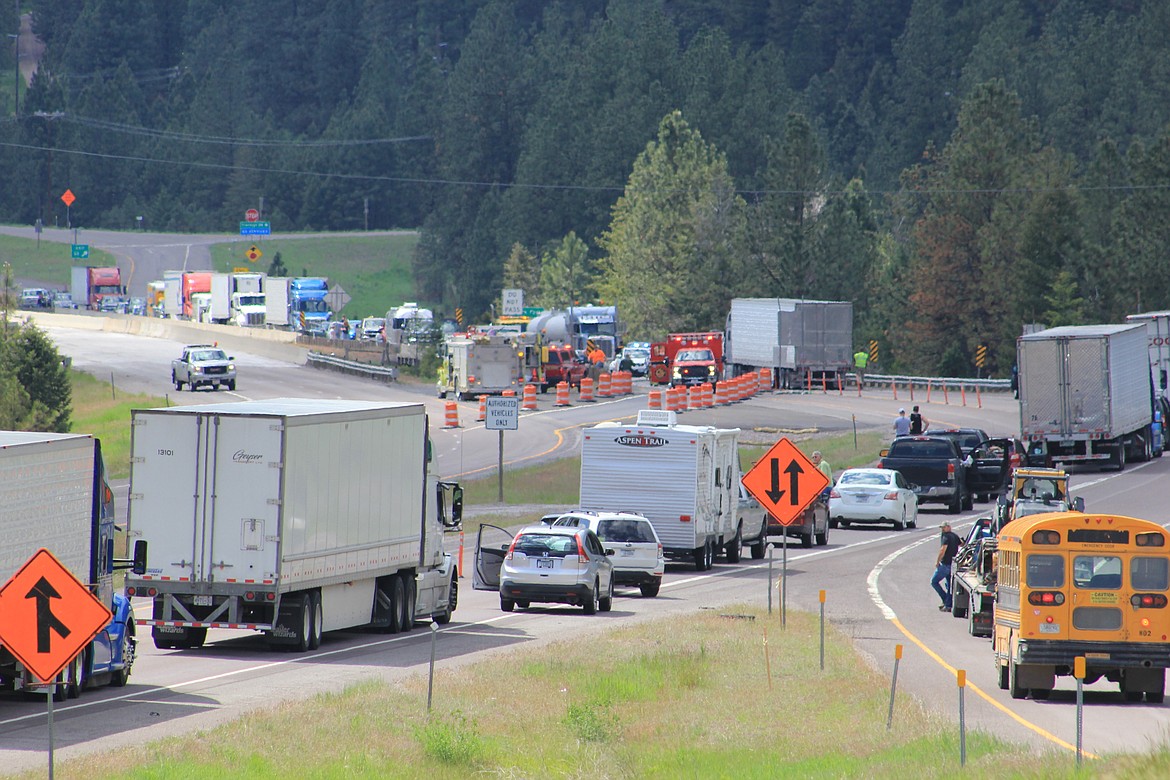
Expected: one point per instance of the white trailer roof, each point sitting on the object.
(287, 407)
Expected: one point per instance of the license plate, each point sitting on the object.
(1049, 628)
(202, 601)
(544, 563)
(861, 498)
(626, 553)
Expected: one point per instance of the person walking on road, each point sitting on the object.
(901, 424)
(949, 545)
(918, 423)
(860, 362)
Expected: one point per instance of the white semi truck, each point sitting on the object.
(54, 495)
(238, 298)
(803, 342)
(291, 517)
(684, 478)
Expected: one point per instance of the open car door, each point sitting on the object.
(991, 468)
(491, 545)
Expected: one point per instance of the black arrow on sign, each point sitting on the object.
(775, 493)
(794, 471)
(46, 620)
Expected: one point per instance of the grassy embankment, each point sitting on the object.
(374, 270)
(45, 261)
(721, 693)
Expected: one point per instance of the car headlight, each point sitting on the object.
(197, 370)
(678, 372)
(231, 367)
(711, 370)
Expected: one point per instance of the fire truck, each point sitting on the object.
(687, 359)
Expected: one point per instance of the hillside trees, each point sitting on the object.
(671, 249)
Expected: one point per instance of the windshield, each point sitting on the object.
(209, 354)
(250, 300)
(625, 531)
(552, 545)
(695, 355)
(863, 478)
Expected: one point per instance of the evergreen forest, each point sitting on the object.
(956, 168)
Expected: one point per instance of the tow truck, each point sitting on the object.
(973, 570)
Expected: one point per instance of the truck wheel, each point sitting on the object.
(806, 540)
(956, 504)
(444, 617)
(408, 596)
(650, 589)
(318, 620)
(177, 383)
(192, 386)
(397, 597)
(968, 504)
(121, 676)
(760, 547)
(1119, 458)
(732, 549)
(231, 385)
(304, 624)
(833, 522)
(823, 537)
(72, 677)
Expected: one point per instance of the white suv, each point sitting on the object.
(549, 564)
(638, 559)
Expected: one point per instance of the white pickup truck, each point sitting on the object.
(203, 364)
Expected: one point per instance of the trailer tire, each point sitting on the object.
(318, 613)
(700, 556)
(1119, 458)
(759, 547)
(733, 548)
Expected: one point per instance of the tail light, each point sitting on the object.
(581, 550)
(950, 471)
(511, 547)
(1046, 598)
(1148, 601)
(660, 549)
(892, 495)
(834, 494)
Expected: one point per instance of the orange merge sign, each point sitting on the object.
(47, 616)
(785, 482)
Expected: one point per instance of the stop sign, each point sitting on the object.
(252, 215)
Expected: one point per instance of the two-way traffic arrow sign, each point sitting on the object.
(785, 482)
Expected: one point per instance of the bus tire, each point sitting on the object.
(1003, 677)
(1013, 682)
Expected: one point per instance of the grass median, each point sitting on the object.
(719, 693)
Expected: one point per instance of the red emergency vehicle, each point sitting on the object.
(687, 359)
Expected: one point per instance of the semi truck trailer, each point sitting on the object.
(291, 517)
(803, 342)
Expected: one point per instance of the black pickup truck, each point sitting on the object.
(935, 467)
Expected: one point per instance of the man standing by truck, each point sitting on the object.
(860, 363)
(949, 545)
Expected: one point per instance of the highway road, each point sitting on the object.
(876, 580)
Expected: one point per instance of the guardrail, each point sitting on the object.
(382, 373)
(902, 380)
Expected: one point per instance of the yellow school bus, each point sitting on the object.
(1092, 585)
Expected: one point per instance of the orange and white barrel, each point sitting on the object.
(765, 380)
(586, 389)
(481, 415)
(655, 401)
(452, 415)
(562, 394)
(605, 385)
(528, 402)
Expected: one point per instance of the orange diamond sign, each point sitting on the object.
(785, 482)
(47, 616)
(67, 197)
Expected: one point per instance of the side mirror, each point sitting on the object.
(139, 565)
(1078, 504)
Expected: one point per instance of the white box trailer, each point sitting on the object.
(289, 516)
(1086, 395)
(683, 478)
(801, 341)
(173, 296)
(481, 365)
(1158, 344)
(276, 300)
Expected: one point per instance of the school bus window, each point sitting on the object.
(1045, 571)
(1097, 572)
(1150, 574)
(1096, 536)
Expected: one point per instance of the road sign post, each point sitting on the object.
(501, 413)
(785, 482)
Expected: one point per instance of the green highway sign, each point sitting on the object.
(80, 251)
(532, 311)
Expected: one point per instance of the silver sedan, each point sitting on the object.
(873, 496)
